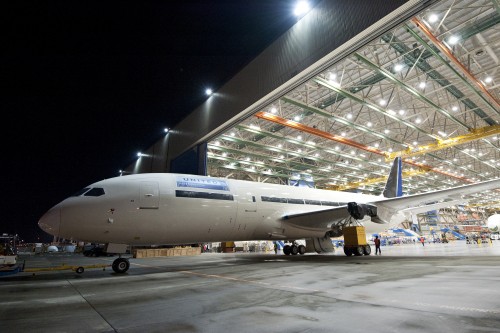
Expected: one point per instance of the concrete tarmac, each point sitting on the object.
(451, 287)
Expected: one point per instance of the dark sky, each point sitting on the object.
(88, 84)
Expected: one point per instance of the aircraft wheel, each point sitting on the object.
(358, 251)
(120, 265)
(287, 250)
(80, 270)
(302, 249)
(367, 250)
(347, 251)
(294, 250)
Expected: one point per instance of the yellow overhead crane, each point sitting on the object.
(371, 181)
(475, 134)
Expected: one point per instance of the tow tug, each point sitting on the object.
(9, 260)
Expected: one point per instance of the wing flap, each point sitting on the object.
(319, 219)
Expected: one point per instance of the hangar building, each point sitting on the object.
(349, 87)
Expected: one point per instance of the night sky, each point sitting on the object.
(88, 84)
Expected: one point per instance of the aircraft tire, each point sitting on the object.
(80, 270)
(367, 250)
(294, 250)
(302, 249)
(120, 265)
(347, 251)
(359, 251)
(287, 250)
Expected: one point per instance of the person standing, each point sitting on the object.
(422, 240)
(377, 245)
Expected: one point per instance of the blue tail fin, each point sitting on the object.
(394, 186)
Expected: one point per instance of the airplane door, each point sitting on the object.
(247, 216)
(149, 196)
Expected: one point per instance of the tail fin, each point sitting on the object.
(394, 186)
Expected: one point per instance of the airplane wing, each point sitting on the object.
(382, 211)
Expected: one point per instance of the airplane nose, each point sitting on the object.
(51, 221)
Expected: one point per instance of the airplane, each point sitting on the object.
(168, 208)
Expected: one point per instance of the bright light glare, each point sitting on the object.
(453, 40)
(433, 18)
(208, 92)
(488, 79)
(301, 8)
(398, 67)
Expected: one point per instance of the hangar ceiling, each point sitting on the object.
(427, 90)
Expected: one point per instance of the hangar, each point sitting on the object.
(330, 104)
(327, 104)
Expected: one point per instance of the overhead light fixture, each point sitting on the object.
(433, 18)
(398, 67)
(301, 8)
(208, 92)
(453, 40)
(488, 79)
(421, 85)
(166, 129)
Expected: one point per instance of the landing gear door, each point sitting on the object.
(149, 196)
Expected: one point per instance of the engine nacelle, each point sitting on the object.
(358, 211)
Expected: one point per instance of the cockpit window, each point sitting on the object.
(83, 190)
(95, 192)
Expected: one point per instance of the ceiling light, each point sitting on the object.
(398, 67)
(301, 8)
(454, 108)
(401, 112)
(208, 91)
(273, 110)
(418, 120)
(382, 102)
(386, 131)
(453, 40)
(369, 124)
(433, 18)
(349, 116)
(488, 79)
(421, 85)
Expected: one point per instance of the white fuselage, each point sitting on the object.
(182, 209)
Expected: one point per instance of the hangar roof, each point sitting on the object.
(428, 90)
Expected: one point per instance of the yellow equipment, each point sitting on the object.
(355, 241)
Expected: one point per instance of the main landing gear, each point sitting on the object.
(120, 265)
(294, 249)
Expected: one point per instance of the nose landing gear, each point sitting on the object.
(120, 265)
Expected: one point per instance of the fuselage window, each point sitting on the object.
(83, 190)
(95, 192)
(296, 201)
(273, 199)
(329, 203)
(312, 202)
(203, 195)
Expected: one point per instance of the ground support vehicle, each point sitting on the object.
(355, 241)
